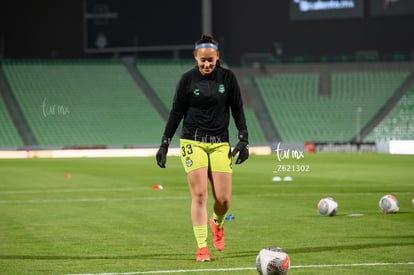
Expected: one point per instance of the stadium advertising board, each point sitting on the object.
(405, 147)
(345, 147)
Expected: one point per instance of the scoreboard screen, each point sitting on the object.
(325, 9)
(391, 7)
(112, 25)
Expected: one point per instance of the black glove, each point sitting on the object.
(161, 155)
(242, 148)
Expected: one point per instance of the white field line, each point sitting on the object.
(126, 189)
(15, 192)
(70, 200)
(22, 201)
(91, 200)
(244, 268)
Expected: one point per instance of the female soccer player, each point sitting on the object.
(204, 97)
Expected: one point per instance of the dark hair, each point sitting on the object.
(205, 38)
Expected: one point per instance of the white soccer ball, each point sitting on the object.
(327, 207)
(389, 204)
(272, 261)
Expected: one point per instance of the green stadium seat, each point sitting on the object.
(83, 103)
(300, 114)
(398, 124)
(96, 102)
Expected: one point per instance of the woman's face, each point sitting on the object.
(206, 59)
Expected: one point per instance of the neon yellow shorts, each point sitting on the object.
(196, 154)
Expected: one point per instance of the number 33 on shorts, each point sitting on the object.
(186, 150)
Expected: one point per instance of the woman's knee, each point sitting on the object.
(224, 201)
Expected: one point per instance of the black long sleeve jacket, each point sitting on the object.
(204, 104)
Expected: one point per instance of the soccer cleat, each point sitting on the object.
(203, 255)
(218, 235)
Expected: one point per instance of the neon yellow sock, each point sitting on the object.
(219, 219)
(200, 233)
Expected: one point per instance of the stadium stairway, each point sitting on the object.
(397, 102)
(162, 76)
(129, 63)
(9, 136)
(12, 134)
(158, 79)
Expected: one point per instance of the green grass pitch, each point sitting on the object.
(88, 216)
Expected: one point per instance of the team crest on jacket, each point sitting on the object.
(221, 88)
